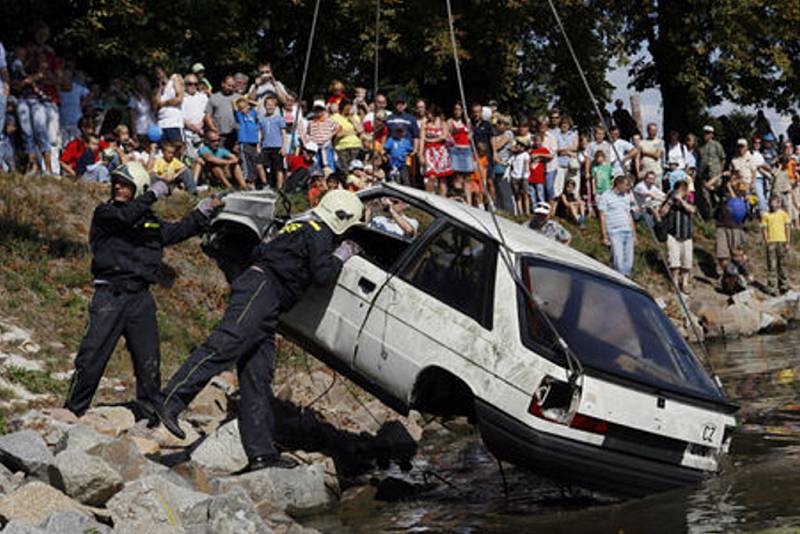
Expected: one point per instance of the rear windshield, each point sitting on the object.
(611, 328)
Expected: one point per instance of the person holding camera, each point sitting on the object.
(266, 85)
(677, 212)
(388, 216)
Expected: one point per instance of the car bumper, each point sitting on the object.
(577, 463)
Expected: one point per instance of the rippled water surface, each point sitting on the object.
(759, 489)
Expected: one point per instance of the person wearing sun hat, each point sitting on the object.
(199, 70)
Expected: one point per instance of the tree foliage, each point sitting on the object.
(697, 52)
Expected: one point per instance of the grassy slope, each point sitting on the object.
(45, 284)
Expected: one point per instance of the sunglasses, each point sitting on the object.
(190, 83)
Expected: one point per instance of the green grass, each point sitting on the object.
(37, 382)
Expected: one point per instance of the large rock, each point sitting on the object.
(87, 478)
(157, 501)
(81, 438)
(9, 481)
(26, 451)
(221, 453)
(34, 502)
(234, 513)
(109, 420)
(51, 424)
(299, 491)
(73, 523)
(21, 527)
(123, 456)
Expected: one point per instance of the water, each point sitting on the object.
(757, 491)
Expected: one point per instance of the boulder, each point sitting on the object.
(739, 320)
(211, 401)
(51, 424)
(9, 481)
(221, 452)
(193, 475)
(155, 500)
(21, 527)
(165, 439)
(73, 523)
(124, 457)
(109, 420)
(87, 478)
(234, 512)
(35, 501)
(147, 447)
(299, 491)
(81, 438)
(26, 451)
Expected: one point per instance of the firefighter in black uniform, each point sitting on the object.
(126, 239)
(305, 252)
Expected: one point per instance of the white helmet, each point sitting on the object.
(135, 174)
(340, 209)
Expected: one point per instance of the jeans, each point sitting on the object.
(536, 192)
(550, 184)
(326, 157)
(32, 116)
(97, 172)
(622, 250)
(762, 193)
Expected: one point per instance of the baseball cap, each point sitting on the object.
(741, 142)
(356, 164)
(198, 67)
(708, 128)
(542, 208)
(400, 98)
(318, 104)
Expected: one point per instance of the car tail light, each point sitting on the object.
(578, 421)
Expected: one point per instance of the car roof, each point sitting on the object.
(518, 237)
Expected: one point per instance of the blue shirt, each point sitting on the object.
(617, 209)
(221, 152)
(248, 127)
(271, 128)
(406, 121)
(398, 150)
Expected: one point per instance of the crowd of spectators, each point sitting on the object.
(252, 132)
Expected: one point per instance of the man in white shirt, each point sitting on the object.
(193, 110)
(393, 220)
(652, 151)
(624, 149)
(266, 85)
(649, 197)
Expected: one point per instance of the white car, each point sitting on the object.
(588, 382)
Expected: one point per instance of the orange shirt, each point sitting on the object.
(314, 193)
(791, 170)
(477, 176)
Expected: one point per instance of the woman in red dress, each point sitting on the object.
(434, 154)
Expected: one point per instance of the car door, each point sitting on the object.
(436, 311)
(329, 320)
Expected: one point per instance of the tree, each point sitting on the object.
(700, 53)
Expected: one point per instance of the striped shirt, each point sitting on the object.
(321, 131)
(617, 209)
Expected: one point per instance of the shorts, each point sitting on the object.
(461, 159)
(519, 187)
(271, 160)
(727, 240)
(172, 135)
(679, 253)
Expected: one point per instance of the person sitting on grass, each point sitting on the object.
(168, 167)
(569, 205)
(776, 228)
(736, 274)
(542, 223)
(219, 163)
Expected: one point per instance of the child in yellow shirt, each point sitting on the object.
(776, 229)
(168, 167)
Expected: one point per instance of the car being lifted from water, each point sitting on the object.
(566, 367)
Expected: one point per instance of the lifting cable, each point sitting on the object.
(298, 104)
(575, 367)
(684, 306)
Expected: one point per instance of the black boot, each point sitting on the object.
(169, 421)
(264, 462)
